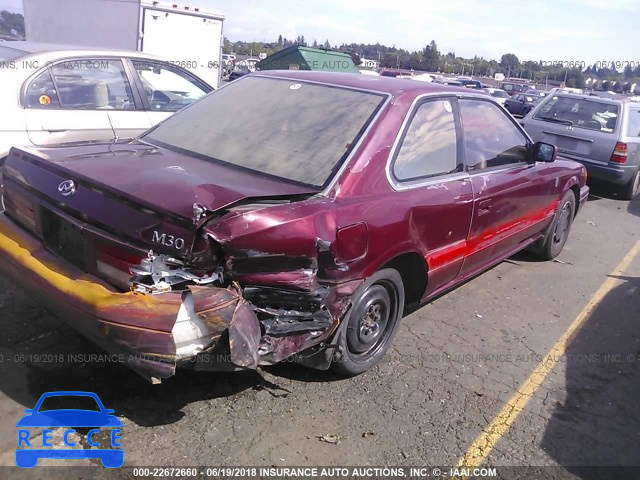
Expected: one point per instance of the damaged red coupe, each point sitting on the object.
(288, 215)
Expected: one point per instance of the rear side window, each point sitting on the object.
(633, 125)
(41, 92)
(579, 112)
(92, 84)
(429, 146)
(490, 137)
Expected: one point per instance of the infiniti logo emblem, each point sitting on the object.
(67, 188)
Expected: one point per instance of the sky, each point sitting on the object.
(548, 30)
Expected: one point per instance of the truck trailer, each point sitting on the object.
(186, 35)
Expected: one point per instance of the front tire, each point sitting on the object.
(560, 228)
(370, 326)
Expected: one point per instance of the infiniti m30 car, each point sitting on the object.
(287, 215)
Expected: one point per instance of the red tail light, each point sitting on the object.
(20, 208)
(113, 263)
(619, 153)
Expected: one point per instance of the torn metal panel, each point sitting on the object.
(274, 349)
(161, 274)
(244, 336)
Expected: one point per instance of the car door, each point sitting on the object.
(165, 88)
(71, 100)
(511, 196)
(517, 104)
(427, 171)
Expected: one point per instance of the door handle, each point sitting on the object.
(57, 130)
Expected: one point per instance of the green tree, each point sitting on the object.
(509, 63)
(12, 22)
(628, 71)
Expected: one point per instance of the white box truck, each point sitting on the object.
(186, 35)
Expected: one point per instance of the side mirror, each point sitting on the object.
(544, 152)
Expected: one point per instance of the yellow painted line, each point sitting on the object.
(487, 440)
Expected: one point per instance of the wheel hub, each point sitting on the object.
(369, 320)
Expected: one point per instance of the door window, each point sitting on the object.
(168, 88)
(429, 145)
(92, 84)
(490, 137)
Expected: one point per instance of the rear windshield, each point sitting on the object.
(499, 94)
(284, 128)
(579, 112)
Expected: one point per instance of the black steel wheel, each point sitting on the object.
(371, 323)
(560, 228)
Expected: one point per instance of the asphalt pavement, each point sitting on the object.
(456, 364)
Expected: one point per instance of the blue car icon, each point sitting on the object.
(98, 418)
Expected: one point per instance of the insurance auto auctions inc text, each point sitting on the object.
(351, 472)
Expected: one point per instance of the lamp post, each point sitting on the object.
(546, 80)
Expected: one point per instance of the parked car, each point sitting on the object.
(534, 91)
(500, 95)
(386, 72)
(54, 94)
(513, 88)
(289, 215)
(601, 133)
(577, 91)
(522, 103)
(471, 83)
(239, 71)
(452, 82)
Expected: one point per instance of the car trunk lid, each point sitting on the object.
(137, 192)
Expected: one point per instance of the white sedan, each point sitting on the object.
(54, 94)
(500, 95)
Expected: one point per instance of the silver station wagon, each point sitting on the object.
(601, 133)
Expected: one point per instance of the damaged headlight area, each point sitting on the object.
(162, 274)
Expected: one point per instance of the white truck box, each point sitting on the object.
(186, 35)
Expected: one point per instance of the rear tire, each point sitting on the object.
(560, 228)
(632, 189)
(370, 326)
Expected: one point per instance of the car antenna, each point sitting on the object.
(115, 135)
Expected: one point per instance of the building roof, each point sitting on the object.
(312, 58)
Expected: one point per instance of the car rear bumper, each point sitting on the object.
(152, 333)
(616, 174)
